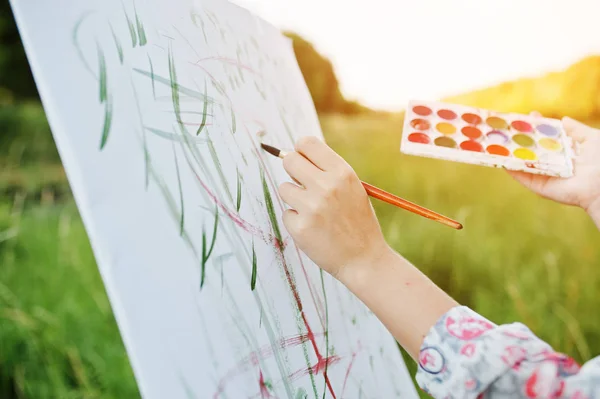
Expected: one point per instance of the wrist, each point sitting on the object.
(360, 272)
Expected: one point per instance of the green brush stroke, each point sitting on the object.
(174, 89)
(260, 91)
(204, 111)
(152, 77)
(271, 209)
(182, 213)
(206, 253)
(189, 393)
(195, 18)
(173, 137)
(233, 122)
(117, 43)
(301, 394)
(103, 77)
(191, 112)
(108, 115)
(203, 266)
(146, 163)
(219, 86)
(76, 44)
(238, 203)
(140, 28)
(217, 163)
(173, 209)
(254, 271)
(182, 89)
(214, 237)
(131, 28)
(194, 159)
(239, 69)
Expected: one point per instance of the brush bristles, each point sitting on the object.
(271, 150)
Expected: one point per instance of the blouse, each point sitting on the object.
(465, 355)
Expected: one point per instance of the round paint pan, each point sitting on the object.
(471, 119)
(524, 140)
(471, 145)
(525, 154)
(445, 128)
(471, 132)
(420, 124)
(418, 137)
(496, 149)
(422, 110)
(521, 126)
(444, 141)
(447, 114)
(547, 130)
(550, 144)
(496, 122)
(496, 137)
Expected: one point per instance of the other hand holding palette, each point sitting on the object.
(476, 136)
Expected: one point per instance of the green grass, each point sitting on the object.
(519, 258)
(58, 337)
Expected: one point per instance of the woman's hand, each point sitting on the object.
(331, 219)
(583, 188)
(333, 222)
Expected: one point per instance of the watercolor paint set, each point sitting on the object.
(472, 135)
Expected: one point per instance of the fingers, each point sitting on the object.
(577, 130)
(292, 195)
(291, 220)
(522, 177)
(300, 169)
(319, 153)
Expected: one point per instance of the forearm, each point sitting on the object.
(404, 299)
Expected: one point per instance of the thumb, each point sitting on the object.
(522, 177)
(577, 130)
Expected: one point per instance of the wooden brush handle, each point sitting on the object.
(409, 206)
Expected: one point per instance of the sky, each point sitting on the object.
(386, 52)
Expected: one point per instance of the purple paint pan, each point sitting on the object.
(496, 137)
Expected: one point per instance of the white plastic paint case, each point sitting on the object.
(549, 162)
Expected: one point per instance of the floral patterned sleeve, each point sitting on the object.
(466, 356)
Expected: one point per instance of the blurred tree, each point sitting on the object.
(15, 76)
(321, 80)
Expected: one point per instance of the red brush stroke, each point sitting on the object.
(279, 247)
(315, 298)
(311, 336)
(230, 214)
(252, 359)
(292, 284)
(264, 390)
(318, 368)
(348, 373)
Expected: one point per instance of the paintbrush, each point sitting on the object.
(387, 197)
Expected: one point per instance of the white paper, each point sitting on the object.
(111, 74)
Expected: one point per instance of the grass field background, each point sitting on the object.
(519, 258)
